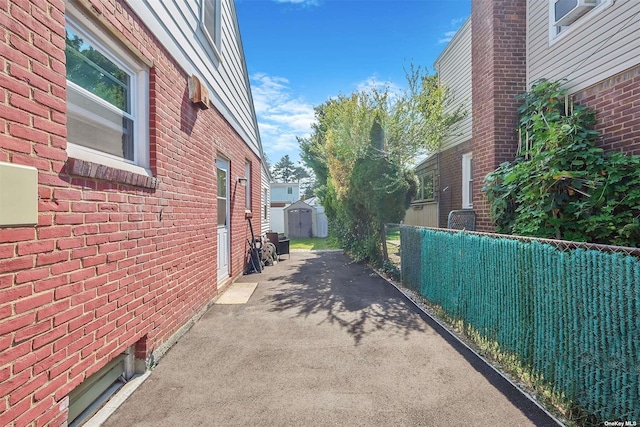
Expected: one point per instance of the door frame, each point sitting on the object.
(224, 164)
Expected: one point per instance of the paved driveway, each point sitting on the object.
(322, 342)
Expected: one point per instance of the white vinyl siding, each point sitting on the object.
(265, 215)
(600, 44)
(423, 215)
(454, 71)
(265, 210)
(177, 25)
(280, 192)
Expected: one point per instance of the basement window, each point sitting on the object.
(86, 399)
(95, 391)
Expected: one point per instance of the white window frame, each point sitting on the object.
(212, 35)
(420, 197)
(139, 75)
(467, 177)
(555, 36)
(247, 193)
(265, 202)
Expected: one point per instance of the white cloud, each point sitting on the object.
(455, 25)
(281, 116)
(373, 82)
(457, 22)
(300, 2)
(447, 37)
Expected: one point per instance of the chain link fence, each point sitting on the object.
(569, 311)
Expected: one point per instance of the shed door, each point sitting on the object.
(300, 223)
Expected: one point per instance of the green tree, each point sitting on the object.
(362, 149)
(91, 70)
(379, 194)
(311, 152)
(421, 117)
(286, 171)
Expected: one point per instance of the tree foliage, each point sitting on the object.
(286, 171)
(561, 185)
(94, 72)
(421, 117)
(378, 196)
(361, 150)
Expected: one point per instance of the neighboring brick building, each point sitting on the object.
(499, 53)
(131, 212)
(596, 51)
(446, 178)
(618, 119)
(498, 64)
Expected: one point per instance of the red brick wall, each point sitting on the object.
(498, 74)
(451, 179)
(617, 104)
(115, 258)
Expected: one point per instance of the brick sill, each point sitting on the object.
(89, 169)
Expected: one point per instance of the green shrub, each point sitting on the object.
(561, 185)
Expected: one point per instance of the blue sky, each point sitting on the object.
(299, 53)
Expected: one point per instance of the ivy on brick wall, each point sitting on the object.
(561, 185)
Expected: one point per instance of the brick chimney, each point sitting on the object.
(499, 30)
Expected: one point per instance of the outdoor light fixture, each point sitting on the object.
(243, 181)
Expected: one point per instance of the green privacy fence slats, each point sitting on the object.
(571, 315)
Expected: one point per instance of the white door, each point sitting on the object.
(223, 219)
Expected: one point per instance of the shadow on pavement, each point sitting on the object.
(347, 294)
(354, 297)
(322, 342)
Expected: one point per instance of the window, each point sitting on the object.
(566, 14)
(426, 187)
(107, 99)
(222, 197)
(210, 23)
(467, 181)
(265, 201)
(247, 193)
(289, 190)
